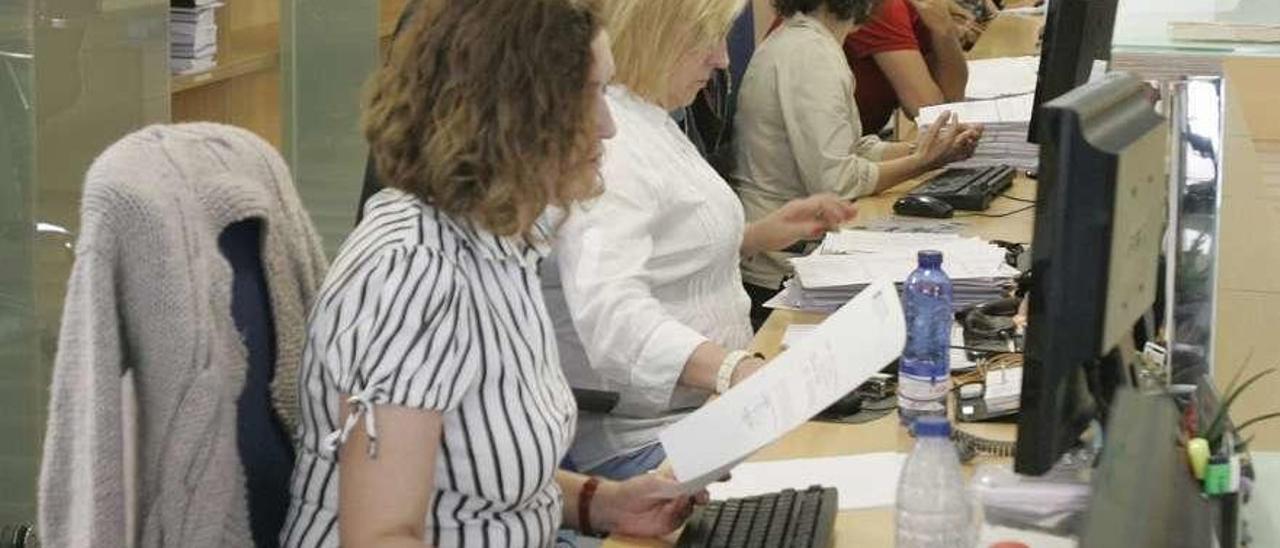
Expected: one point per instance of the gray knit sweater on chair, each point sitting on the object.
(151, 293)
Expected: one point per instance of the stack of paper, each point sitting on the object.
(1159, 65)
(1004, 139)
(1047, 502)
(1003, 389)
(193, 36)
(1221, 31)
(1002, 77)
(848, 261)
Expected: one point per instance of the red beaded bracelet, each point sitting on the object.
(584, 505)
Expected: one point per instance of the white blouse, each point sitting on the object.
(648, 271)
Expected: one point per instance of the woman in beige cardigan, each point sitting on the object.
(799, 132)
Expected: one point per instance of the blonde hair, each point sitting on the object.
(649, 36)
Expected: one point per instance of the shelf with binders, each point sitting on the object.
(246, 50)
(244, 87)
(255, 47)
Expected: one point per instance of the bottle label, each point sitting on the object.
(923, 388)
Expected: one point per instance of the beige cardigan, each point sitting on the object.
(151, 293)
(798, 132)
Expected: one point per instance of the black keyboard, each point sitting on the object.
(968, 188)
(788, 518)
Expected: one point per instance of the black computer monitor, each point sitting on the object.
(1076, 33)
(1099, 224)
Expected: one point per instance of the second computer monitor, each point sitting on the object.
(1076, 33)
(1100, 221)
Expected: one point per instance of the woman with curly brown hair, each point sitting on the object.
(434, 410)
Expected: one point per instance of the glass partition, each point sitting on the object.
(75, 75)
(1144, 24)
(328, 49)
(20, 363)
(1196, 108)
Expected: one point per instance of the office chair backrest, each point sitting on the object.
(265, 448)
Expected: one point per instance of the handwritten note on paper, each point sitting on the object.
(858, 340)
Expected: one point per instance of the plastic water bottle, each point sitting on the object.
(934, 509)
(924, 372)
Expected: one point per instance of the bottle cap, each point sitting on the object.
(1198, 455)
(929, 258)
(932, 427)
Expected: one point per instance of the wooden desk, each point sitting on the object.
(820, 439)
(1009, 35)
(1248, 293)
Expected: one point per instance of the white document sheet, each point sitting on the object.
(796, 333)
(1001, 77)
(858, 340)
(870, 241)
(1015, 109)
(853, 257)
(863, 481)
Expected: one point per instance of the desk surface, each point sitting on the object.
(1009, 35)
(874, 527)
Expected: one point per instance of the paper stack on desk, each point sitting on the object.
(1002, 77)
(848, 261)
(193, 36)
(1004, 139)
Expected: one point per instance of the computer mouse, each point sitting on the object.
(923, 206)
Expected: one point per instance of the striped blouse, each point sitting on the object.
(424, 311)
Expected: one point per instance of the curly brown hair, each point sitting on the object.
(482, 109)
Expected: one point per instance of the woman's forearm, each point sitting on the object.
(703, 366)
(947, 64)
(600, 514)
(894, 172)
(571, 486)
(751, 241)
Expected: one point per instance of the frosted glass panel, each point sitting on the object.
(75, 75)
(19, 355)
(1142, 24)
(329, 49)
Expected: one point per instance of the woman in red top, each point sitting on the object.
(908, 55)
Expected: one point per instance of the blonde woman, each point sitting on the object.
(434, 408)
(653, 306)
